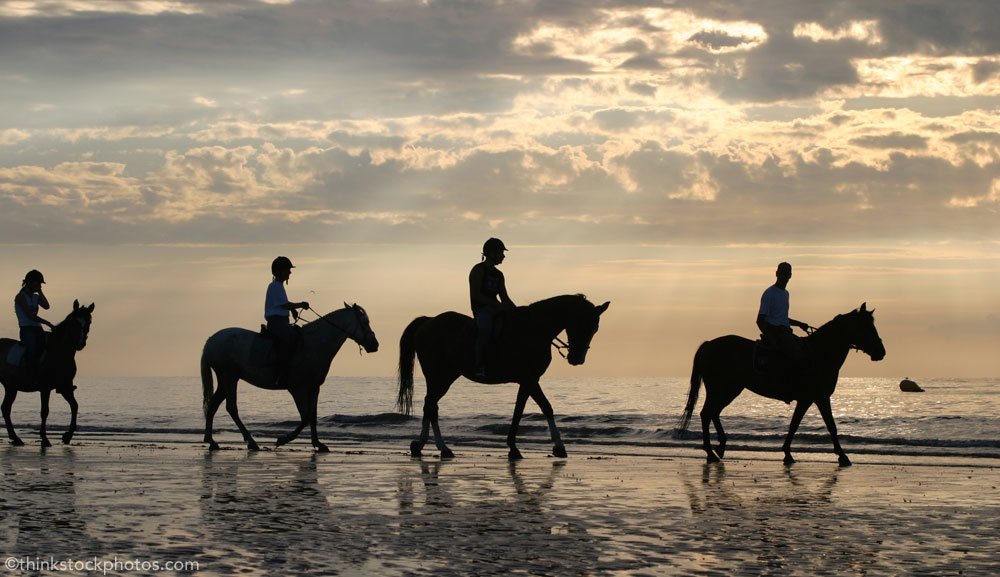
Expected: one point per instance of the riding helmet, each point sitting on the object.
(34, 276)
(281, 263)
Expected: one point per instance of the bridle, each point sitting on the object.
(353, 335)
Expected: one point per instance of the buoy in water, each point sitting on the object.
(908, 386)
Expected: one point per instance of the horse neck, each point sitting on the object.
(63, 339)
(324, 338)
(832, 340)
(551, 316)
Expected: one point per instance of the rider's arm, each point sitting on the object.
(502, 292)
(42, 301)
(761, 322)
(799, 324)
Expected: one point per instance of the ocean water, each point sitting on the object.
(953, 418)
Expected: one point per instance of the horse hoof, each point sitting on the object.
(415, 449)
(66, 438)
(844, 461)
(559, 451)
(321, 448)
(447, 454)
(46, 443)
(213, 446)
(17, 442)
(720, 451)
(253, 447)
(280, 442)
(712, 458)
(514, 455)
(789, 460)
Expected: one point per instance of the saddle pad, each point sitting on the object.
(15, 354)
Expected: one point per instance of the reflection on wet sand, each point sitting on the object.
(40, 514)
(263, 514)
(462, 525)
(771, 520)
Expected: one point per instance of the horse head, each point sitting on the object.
(77, 323)
(581, 327)
(361, 331)
(864, 336)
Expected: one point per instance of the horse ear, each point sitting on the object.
(91, 307)
(604, 307)
(346, 306)
(864, 307)
(76, 305)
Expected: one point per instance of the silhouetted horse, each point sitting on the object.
(520, 354)
(230, 353)
(725, 365)
(56, 371)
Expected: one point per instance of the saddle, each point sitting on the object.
(262, 349)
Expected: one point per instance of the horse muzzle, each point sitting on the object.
(371, 346)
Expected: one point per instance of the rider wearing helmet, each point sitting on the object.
(772, 318)
(488, 293)
(276, 311)
(26, 304)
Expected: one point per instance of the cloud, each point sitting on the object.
(896, 140)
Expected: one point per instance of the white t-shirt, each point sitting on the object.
(22, 316)
(774, 306)
(275, 300)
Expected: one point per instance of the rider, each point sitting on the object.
(772, 319)
(488, 293)
(276, 311)
(26, 304)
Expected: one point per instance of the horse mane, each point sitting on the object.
(574, 297)
(826, 327)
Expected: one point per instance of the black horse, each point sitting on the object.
(56, 371)
(520, 354)
(726, 366)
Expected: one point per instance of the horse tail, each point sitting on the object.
(407, 353)
(692, 392)
(207, 386)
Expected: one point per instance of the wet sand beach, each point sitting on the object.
(375, 511)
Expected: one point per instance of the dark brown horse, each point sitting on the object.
(56, 371)
(521, 354)
(725, 365)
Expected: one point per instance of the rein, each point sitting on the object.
(559, 346)
(338, 327)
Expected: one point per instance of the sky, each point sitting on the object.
(664, 156)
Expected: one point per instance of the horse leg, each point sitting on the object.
(558, 449)
(213, 406)
(10, 393)
(73, 407)
(312, 406)
(800, 410)
(720, 449)
(431, 415)
(44, 394)
(234, 412)
(827, 412)
(515, 422)
(706, 435)
(301, 404)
